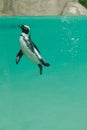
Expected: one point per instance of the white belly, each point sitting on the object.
(29, 53)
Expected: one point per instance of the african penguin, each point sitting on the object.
(29, 49)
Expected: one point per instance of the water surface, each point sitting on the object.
(57, 100)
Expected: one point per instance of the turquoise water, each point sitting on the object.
(57, 100)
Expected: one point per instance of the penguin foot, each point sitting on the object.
(44, 63)
(40, 67)
(47, 64)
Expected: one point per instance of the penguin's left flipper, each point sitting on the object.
(18, 57)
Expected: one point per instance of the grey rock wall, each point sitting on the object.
(39, 7)
(32, 7)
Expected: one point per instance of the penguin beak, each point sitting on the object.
(21, 26)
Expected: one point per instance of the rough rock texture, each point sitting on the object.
(74, 8)
(41, 7)
(32, 7)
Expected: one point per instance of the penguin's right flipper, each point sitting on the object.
(18, 57)
(41, 68)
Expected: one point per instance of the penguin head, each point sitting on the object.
(25, 29)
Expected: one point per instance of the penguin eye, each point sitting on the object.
(26, 30)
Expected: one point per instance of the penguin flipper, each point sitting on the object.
(36, 48)
(18, 56)
(32, 43)
(41, 68)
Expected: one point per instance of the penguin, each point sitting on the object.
(28, 48)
